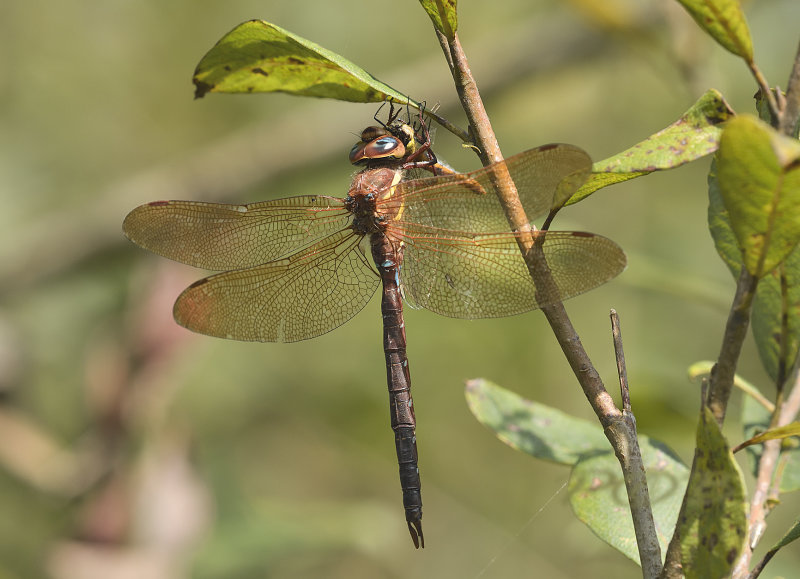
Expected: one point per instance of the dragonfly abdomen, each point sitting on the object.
(401, 405)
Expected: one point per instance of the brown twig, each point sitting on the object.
(443, 122)
(791, 110)
(616, 426)
(622, 371)
(766, 92)
(723, 372)
(635, 478)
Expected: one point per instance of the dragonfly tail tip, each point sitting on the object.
(415, 528)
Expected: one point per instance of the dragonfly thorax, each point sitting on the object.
(368, 192)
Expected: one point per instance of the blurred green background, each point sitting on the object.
(132, 448)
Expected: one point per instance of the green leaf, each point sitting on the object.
(539, 430)
(257, 56)
(714, 526)
(777, 433)
(776, 317)
(758, 171)
(691, 137)
(792, 535)
(443, 15)
(756, 419)
(719, 224)
(597, 490)
(598, 497)
(724, 21)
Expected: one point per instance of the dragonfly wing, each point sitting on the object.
(219, 237)
(296, 298)
(485, 276)
(544, 176)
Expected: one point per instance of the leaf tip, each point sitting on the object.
(201, 88)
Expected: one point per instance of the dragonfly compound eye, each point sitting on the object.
(384, 147)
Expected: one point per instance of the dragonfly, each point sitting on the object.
(298, 267)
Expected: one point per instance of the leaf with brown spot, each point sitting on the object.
(691, 137)
(724, 21)
(714, 527)
(257, 56)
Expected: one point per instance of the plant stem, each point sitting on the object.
(447, 125)
(774, 109)
(616, 426)
(635, 478)
(791, 111)
(723, 372)
(766, 481)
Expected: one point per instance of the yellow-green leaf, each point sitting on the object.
(758, 171)
(755, 420)
(258, 56)
(724, 21)
(714, 525)
(777, 433)
(443, 15)
(695, 134)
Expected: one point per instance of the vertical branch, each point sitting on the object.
(482, 133)
(635, 477)
(723, 372)
(766, 92)
(622, 371)
(791, 110)
(616, 427)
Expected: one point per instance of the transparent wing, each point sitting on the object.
(287, 300)
(484, 276)
(468, 201)
(220, 237)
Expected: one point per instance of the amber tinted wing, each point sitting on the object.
(484, 276)
(219, 237)
(287, 300)
(468, 201)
